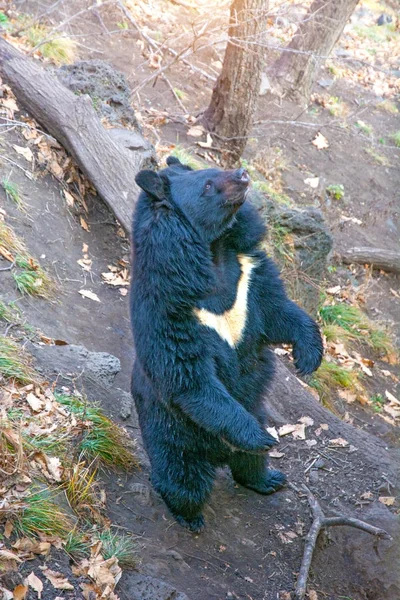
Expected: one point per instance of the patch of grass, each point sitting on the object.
(282, 243)
(187, 158)
(336, 191)
(335, 333)
(61, 50)
(378, 158)
(364, 127)
(103, 440)
(279, 197)
(81, 489)
(9, 313)
(388, 106)
(10, 242)
(37, 514)
(331, 376)
(3, 17)
(122, 25)
(121, 546)
(377, 402)
(31, 279)
(76, 544)
(53, 445)
(181, 95)
(352, 320)
(336, 107)
(376, 33)
(396, 138)
(12, 193)
(15, 363)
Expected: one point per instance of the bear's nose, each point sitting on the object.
(242, 175)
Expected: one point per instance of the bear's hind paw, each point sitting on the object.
(273, 481)
(195, 525)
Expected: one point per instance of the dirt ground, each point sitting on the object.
(245, 552)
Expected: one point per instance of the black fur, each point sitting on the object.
(199, 400)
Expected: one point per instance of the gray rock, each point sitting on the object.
(312, 245)
(142, 587)
(126, 405)
(107, 87)
(103, 366)
(325, 83)
(141, 493)
(71, 361)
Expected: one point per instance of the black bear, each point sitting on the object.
(205, 304)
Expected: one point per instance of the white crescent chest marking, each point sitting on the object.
(231, 324)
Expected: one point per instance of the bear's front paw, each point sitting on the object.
(308, 352)
(255, 442)
(194, 525)
(271, 482)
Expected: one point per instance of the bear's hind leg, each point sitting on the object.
(251, 471)
(185, 490)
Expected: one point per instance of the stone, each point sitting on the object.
(141, 493)
(107, 87)
(126, 405)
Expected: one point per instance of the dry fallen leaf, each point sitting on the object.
(298, 431)
(280, 351)
(207, 144)
(312, 182)
(347, 396)
(196, 131)
(90, 295)
(320, 141)
(333, 290)
(387, 500)
(34, 402)
(392, 398)
(308, 421)
(58, 581)
(272, 431)
(276, 454)
(20, 592)
(35, 583)
(338, 443)
(69, 198)
(83, 223)
(312, 595)
(25, 152)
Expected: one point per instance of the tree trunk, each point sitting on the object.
(73, 121)
(234, 99)
(296, 69)
(387, 260)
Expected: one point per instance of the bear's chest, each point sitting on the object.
(230, 323)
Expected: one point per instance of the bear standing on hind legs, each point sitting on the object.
(205, 304)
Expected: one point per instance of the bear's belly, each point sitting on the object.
(231, 324)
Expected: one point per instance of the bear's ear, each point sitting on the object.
(151, 183)
(172, 161)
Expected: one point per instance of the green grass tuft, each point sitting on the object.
(31, 279)
(336, 191)
(103, 440)
(388, 106)
(61, 50)
(357, 325)
(76, 544)
(396, 138)
(187, 158)
(15, 363)
(37, 514)
(121, 546)
(12, 193)
(331, 376)
(364, 127)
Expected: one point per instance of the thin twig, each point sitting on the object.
(27, 173)
(320, 521)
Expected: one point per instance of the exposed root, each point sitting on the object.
(319, 522)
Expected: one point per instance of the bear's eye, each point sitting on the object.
(208, 186)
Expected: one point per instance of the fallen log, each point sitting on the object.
(378, 258)
(73, 121)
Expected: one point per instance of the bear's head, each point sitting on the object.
(208, 198)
